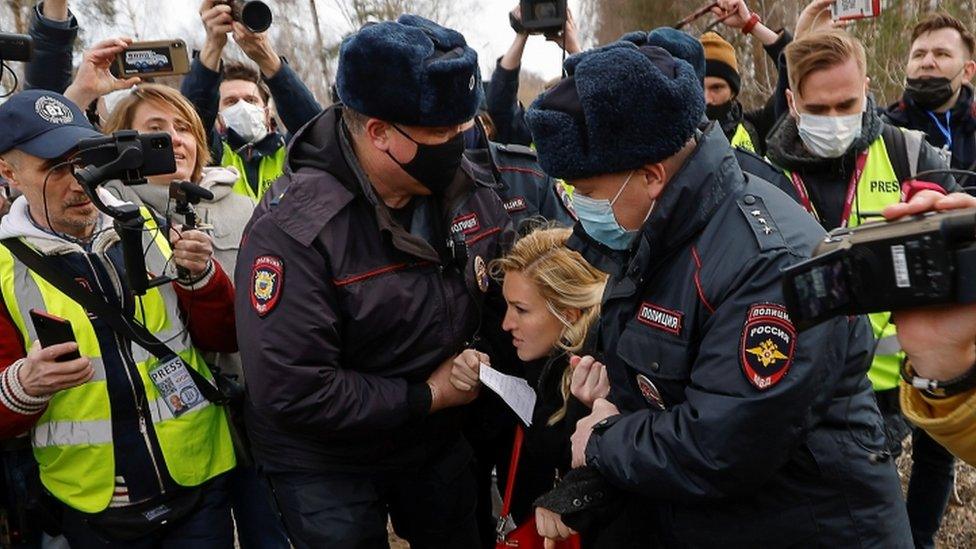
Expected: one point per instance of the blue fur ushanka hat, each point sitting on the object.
(620, 107)
(679, 44)
(412, 72)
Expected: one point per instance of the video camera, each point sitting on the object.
(540, 17)
(919, 261)
(13, 47)
(16, 47)
(130, 157)
(253, 14)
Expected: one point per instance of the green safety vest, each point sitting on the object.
(72, 440)
(877, 188)
(742, 140)
(269, 170)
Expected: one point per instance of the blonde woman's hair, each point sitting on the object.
(565, 280)
(164, 96)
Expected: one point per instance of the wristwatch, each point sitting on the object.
(934, 388)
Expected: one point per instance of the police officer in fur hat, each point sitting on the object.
(362, 278)
(727, 426)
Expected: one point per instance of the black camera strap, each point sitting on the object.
(128, 328)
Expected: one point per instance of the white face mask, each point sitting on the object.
(246, 120)
(829, 136)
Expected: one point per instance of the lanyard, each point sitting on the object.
(801, 190)
(945, 130)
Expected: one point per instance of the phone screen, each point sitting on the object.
(146, 60)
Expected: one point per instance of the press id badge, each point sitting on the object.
(176, 387)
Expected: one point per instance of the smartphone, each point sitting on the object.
(52, 330)
(157, 153)
(845, 10)
(147, 59)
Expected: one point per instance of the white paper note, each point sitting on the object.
(515, 391)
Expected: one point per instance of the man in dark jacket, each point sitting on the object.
(938, 98)
(504, 108)
(938, 101)
(728, 426)
(54, 30)
(363, 274)
(237, 98)
(526, 191)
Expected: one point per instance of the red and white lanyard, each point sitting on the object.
(801, 190)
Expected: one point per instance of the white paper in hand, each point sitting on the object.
(515, 391)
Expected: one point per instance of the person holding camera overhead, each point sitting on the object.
(233, 100)
(501, 94)
(119, 466)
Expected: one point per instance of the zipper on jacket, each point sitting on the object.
(130, 364)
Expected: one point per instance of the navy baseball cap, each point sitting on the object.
(42, 124)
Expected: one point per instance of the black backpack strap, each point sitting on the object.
(894, 141)
(126, 327)
(904, 150)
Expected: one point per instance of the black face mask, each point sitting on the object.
(718, 112)
(434, 166)
(929, 93)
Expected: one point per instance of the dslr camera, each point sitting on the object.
(540, 17)
(253, 14)
(915, 262)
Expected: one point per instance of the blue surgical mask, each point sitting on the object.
(598, 220)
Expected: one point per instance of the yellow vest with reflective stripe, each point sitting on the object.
(742, 140)
(878, 188)
(271, 168)
(73, 438)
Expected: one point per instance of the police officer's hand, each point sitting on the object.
(550, 525)
(41, 375)
(602, 409)
(589, 381)
(940, 341)
(466, 369)
(443, 394)
(192, 250)
(94, 78)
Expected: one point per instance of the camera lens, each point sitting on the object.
(256, 15)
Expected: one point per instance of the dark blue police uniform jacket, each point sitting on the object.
(735, 429)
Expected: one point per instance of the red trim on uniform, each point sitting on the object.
(698, 285)
(483, 235)
(340, 282)
(521, 170)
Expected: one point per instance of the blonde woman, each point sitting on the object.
(553, 298)
(157, 108)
